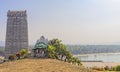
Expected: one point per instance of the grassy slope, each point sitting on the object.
(40, 65)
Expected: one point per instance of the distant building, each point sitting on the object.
(42, 39)
(16, 33)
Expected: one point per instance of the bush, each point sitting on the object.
(106, 68)
(113, 68)
(24, 53)
(26, 56)
(79, 62)
(117, 68)
(11, 57)
(98, 69)
(52, 56)
(18, 55)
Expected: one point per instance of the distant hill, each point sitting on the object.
(89, 49)
(41, 65)
(2, 53)
(2, 43)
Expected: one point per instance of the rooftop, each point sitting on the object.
(16, 13)
(40, 45)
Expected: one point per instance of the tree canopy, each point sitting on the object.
(58, 50)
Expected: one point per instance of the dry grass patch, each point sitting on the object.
(40, 65)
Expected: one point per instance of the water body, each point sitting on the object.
(104, 57)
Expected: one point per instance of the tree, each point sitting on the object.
(58, 50)
(51, 51)
(68, 55)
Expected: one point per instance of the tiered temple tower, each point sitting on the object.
(17, 32)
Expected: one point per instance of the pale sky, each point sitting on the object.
(72, 21)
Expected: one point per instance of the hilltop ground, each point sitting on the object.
(40, 65)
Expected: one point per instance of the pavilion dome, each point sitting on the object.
(40, 45)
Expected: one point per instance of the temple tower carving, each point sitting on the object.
(16, 33)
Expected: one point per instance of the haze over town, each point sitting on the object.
(72, 21)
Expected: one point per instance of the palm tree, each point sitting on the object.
(51, 51)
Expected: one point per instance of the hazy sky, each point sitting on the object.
(72, 21)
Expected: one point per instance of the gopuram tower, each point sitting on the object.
(16, 33)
